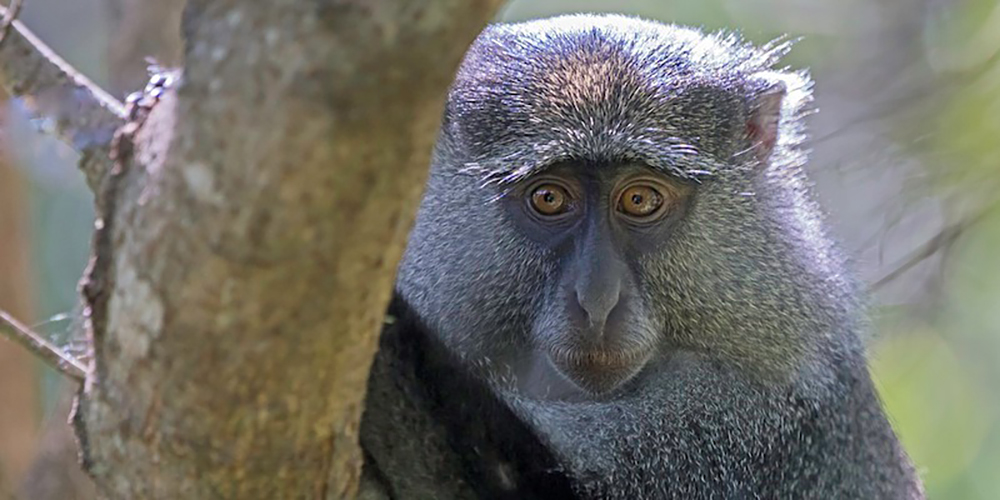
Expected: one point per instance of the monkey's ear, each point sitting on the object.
(765, 115)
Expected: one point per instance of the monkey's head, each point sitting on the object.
(608, 194)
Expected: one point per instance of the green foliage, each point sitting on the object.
(936, 405)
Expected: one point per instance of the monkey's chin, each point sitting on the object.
(599, 372)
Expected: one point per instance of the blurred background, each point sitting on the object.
(906, 161)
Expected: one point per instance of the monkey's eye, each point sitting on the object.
(550, 199)
(640, 201)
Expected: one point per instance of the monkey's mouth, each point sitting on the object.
(599, 371)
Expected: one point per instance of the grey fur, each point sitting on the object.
(759, 387)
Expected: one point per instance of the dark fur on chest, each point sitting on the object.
(432, 430)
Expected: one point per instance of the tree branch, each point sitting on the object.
(944, 239)
(13, 10)
(45, 350)
(73, 107)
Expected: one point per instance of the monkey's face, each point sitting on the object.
(594, 223)
(543, 281)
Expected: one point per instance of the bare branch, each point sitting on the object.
(74, 108)
(45, 350)
(940, 242)
(9, 17)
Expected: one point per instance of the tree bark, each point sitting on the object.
(248, 240)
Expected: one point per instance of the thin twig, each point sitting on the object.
(66, 102)
(9, 17)
(45, 350)
(944, 239)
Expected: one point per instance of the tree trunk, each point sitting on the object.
(248, 241)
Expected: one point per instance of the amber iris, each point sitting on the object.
(640, 201)
(550, 199)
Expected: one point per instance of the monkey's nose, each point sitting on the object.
(598, 300)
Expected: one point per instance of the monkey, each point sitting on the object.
(619, 285)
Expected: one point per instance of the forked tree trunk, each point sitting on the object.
(247, 242)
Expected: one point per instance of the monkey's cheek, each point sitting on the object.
(599, 374)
